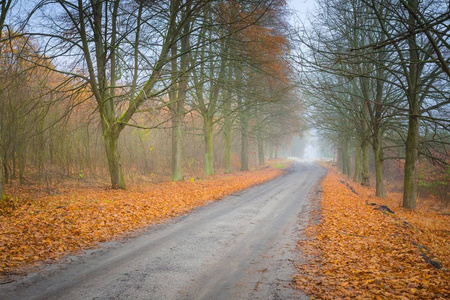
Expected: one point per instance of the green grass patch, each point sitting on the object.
(279, 166)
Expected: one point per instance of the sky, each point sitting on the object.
(302, 7)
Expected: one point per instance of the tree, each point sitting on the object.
(223, 60)
(100, 41)
(208, 78)
(415, 66)
(381, 54)
(178, 92)
(5, 8)
(264, 45)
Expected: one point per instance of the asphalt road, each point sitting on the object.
(241, 247)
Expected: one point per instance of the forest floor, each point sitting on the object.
(37, 227)
(362, 246)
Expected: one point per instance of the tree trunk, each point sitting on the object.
(227, 137)
(5, 170)
(3, 13)
(412, 145)
(343, 161)
(244, 141)
(177, 172)
(347, 162)
(178, 98)
(2, 183)
(40, 154)
(209, 148)
(378, 154)
(88, 149)
(14, 164)
(227, 123)
(357, 173)
(365, 164)
(412, 139)
(261, 159)
(345, 158)
(340, 159)
(22, 163)
(113, 156)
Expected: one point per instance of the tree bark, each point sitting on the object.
(176, 109)
(412, 145)
(346, 159)
(348, 163)
(227, 124)
(14, 164)
(21, 152)
(113, 156)
(209, 149)
(2, 182)
(340, 160)
(261, 159)
(357, 173)
(177, 172)
(365, 164)
(412, 139)
(244, 140)
(343, 161)
(5, 169)
(178, 99)
(378, 154)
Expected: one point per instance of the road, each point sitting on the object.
(241, 247)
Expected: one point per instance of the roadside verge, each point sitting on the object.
(369, 247)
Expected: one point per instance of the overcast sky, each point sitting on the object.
(302, 6)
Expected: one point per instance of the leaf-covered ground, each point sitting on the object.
(360, 250)
(36, 228)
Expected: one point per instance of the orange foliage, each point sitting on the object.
(359, 252)
(264, 45)
(47, 227)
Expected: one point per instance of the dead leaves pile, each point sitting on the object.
(359, 252)
(48, 227)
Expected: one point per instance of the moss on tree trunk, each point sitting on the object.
(177, 172)
(113, 156)
(209, 147)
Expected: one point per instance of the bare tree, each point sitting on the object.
(383, 51)
(5, 8)
(121, 49)
(420, 62)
